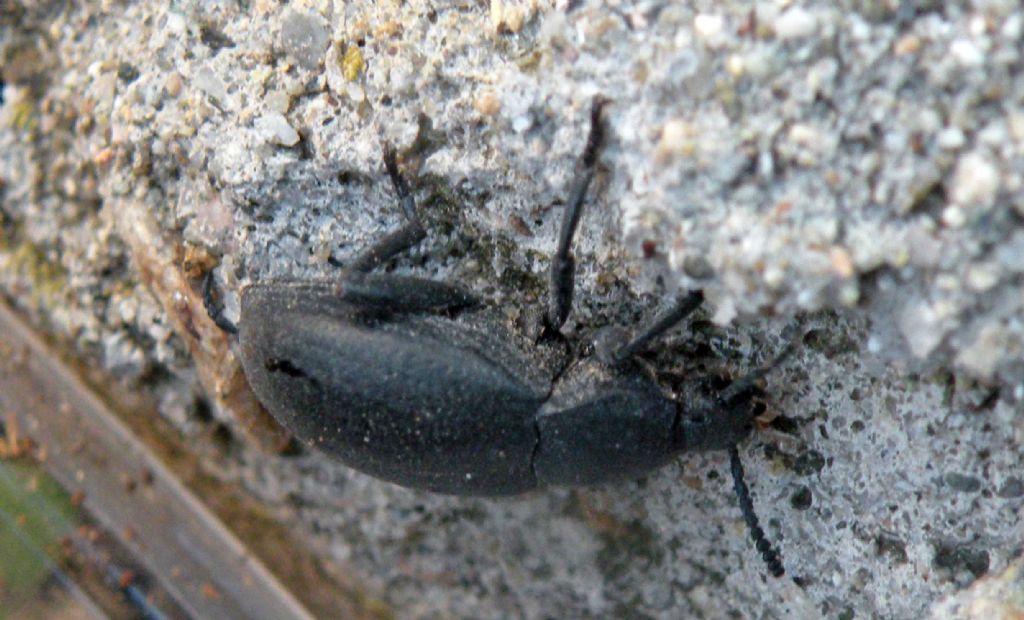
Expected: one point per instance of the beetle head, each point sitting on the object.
(711, 422)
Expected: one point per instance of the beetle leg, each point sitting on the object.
(393, 293)
(661, 324)
(387, 246)
(411, 233)
(563, 265)
(740, 387)
(215, 311)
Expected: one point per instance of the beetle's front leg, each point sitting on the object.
(614, 352)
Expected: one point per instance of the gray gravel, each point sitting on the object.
(858, 166)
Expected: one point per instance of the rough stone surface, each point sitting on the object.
(999, 596)
(859, 164)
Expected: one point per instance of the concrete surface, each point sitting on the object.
(856, 166)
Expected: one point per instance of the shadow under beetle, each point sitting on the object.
(413, 381)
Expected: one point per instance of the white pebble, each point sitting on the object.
(950, 138)
(1012, 27)
(921, 329)
(954, 217)
(975, 181)
(735, 65)
(709, 28)
(274, 128)
(966, 53)
(983, 355)
(208, 82)
(795, 23)
(982, 277)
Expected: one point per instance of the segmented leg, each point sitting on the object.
(392, 293)
(215, 311)
(661, 324)
(408, 235)
(563, 265)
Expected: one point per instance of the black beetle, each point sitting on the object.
(415, 382)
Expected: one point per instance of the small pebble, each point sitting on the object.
(709, 27)
(487, 104)
(275, 129)
(954, 217)
(795, 23)
(208, 82)
(676, 139)
(304, 37)
(975, 181)
(982, 277)
(173, 84)
(842, 263)
(966, 53)
(950, 139)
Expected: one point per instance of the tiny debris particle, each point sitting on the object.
(796, 23)
(487, 103)
(676, 140)
(909, 44)
(210, 591)
(278, 101)
(387, 30)
(352, 63)
(173, 84)
(842, 262)
(982, 277)
(735, 65)
(975, 181)
(213, 38)
(954, 217)
(103, 157)
(922, 328)
(497, 14)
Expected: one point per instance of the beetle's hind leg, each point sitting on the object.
(395, 242)
(383, 292)
(386, 292)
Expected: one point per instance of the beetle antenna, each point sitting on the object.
(769, 554)
(215, 311)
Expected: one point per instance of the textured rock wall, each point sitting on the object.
(856, 164)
